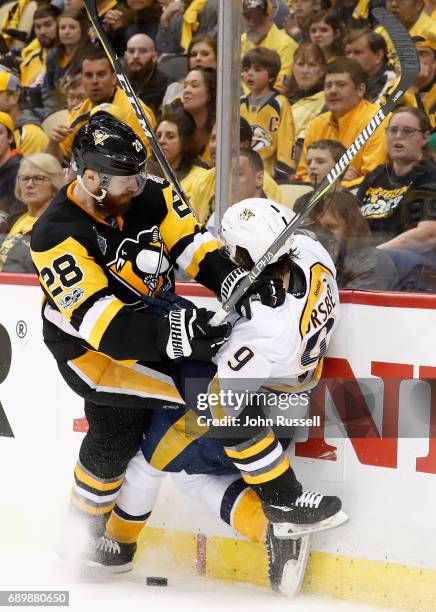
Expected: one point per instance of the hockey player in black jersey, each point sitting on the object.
(106, 245)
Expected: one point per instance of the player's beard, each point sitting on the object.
(117, 205)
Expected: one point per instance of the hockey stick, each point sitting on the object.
(409, 71)
(125, 85)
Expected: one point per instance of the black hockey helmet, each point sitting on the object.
(109, 146)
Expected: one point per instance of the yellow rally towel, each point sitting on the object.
(190, 21)
(12, 18)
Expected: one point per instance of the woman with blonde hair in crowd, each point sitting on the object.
(327, 31)
(64, 60)
(39, 178)
(201, 53)
(305, 89)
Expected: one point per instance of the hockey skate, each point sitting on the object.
(111, 556)
(287, 561)
(309, 513)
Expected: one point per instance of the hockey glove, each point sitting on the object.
(163, 302)
(266, 290)
(187, 333)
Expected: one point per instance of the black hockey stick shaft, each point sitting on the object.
(410, 67)
(125, 85)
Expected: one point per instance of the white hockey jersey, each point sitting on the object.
(283, 348)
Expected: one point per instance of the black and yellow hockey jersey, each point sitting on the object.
(96, 272)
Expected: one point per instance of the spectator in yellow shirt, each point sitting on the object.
(34, 56)
(100, 84)
(422, 94)
(348, 113)
(29, 136)
(175, 133)
(261, 31)
(268, 112)
(203, 191)
(413, 17)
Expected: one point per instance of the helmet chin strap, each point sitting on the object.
(99, 198)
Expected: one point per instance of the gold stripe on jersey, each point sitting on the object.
(91, 481)
(268, 475)
(268, 438)
(177, 438)
(87, 507)
(178, 224)
(106, 375)
(316, 272)
(102, 322)
(248, 518)
(312, 382)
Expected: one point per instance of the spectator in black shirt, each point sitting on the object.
(140, 62)
(399, 198)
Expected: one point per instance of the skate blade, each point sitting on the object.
(294, 571)
(286, 531)
(91, 569)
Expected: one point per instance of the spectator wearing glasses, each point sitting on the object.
(399, 198)
(39, 178)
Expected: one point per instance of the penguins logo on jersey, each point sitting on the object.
(142, 264)
(99, 137)
(260, 138)
(246, 214)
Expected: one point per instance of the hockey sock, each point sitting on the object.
(242, 510)
(93, 495)
(124, 527)
(266, 468)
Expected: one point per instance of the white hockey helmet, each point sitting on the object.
(254, 224)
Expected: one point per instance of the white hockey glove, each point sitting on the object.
(187, 333)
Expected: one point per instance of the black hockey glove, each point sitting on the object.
(266, 290)
(163, 302)
(187, 333)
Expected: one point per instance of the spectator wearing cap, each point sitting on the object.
(100, 85)
(261, 31)
(413, 17)
(140, 63)
(369, 49)
(29, 136)
(348, 113)
(422, 94)
(9, 164)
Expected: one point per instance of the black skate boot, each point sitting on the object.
(309, 513)
(111, 556)
(287, 560)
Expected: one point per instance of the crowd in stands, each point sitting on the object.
(313, 73)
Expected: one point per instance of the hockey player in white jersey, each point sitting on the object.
(277, 355)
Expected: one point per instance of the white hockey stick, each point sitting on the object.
(410, 68)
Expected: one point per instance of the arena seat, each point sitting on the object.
(291, 190)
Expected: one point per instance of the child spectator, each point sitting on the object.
(268, 112)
